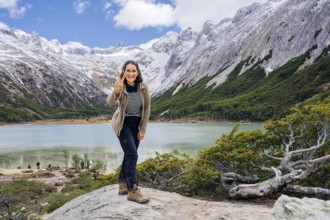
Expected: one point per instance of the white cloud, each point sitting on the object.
(19, 12)
(8, 3)
(120, 2)
(137, 14)
(193, 13)
(107, 9)
(3, 25)
(80, 6)
(14, 10)
(106, 6)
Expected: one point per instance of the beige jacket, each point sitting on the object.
(122, 100)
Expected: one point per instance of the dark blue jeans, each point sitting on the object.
(129, 142)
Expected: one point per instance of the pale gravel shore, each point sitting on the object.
(49, 177)
(10, 172)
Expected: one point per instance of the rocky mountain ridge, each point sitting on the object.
(73, 75)
(28, 70)
(270, 34)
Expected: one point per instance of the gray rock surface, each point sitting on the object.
(105, 203)
(307, 208)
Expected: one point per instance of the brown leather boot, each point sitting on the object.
(136, 195)
(122, 188)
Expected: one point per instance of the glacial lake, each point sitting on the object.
(23, 145)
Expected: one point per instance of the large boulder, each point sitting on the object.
(307, 208)
(105, 203)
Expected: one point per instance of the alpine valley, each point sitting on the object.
(255, 66)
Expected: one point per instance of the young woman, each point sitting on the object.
(129, 123)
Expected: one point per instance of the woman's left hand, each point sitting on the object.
(140, 136)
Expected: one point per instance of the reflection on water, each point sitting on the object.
(55, 157)
(23, 145)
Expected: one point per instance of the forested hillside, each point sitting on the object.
(252, 95)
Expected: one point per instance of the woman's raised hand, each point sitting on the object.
(119, 84)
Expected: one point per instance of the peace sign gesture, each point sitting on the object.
(119, 84)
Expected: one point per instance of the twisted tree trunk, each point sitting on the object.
(306, 190)
(294, 170)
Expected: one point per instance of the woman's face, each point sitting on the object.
(130, 74)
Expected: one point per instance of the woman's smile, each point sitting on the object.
(130, 74)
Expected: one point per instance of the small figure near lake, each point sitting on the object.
(82, 164)
(38, 165)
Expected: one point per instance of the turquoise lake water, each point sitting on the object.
(23, 145)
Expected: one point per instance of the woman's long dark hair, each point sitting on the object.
(139, 78)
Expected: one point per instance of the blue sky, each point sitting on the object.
(104, 23)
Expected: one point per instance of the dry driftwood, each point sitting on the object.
(288, 171)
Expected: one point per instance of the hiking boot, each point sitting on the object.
(122, 188)
(136, 195)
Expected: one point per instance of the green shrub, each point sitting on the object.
(105, 180)
(23, 193)
(76, 162)
(56, 201)
(202, 179)
(165, 171)
(98, 167)
(84, 181)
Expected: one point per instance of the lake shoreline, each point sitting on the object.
(105, 120)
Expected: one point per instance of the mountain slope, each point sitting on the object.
(252, 95)
(215, 73)
(33, 79)
(278, 30)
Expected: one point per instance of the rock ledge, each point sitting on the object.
(105, 203)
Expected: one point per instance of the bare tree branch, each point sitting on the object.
(241, 178)
(321, 140)
(277, 172)
(321, 159)
(298, 163)
(230, 180)
(262, 167)
(291, 139)
(275, 158)
(306, 190)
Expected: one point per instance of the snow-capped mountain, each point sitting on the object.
(278, 30)
(103, 67)
(270, 34)
(29, 70)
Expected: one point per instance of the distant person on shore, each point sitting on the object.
(38, 165)
(29, 166)
(82, 164)
(129, 123)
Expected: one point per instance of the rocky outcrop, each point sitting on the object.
(288, 208)
(30, 70)
(268, 34)
(105, 203)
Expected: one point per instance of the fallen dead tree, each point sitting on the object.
(304, 150)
